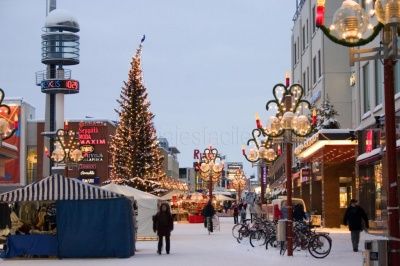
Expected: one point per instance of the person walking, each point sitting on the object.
(163, 224)
(354, 217)
(208, 212)
(298, 213)
(235, 214)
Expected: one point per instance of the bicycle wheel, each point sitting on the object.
(272, 242)
(258, 238)
(235, 230)
(320, 246)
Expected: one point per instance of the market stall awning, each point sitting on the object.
(57, 187)
(328, 145)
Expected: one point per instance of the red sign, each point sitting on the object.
(11, 172)
(86, 136)
(369, 141)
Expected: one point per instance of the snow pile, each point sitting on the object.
(191, 245)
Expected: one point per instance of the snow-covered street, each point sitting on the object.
(191, 245)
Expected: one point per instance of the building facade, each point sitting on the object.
(13, 166)
(170, 154)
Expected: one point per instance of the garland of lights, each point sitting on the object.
(286, 116)
(263, 150)
(320, 17)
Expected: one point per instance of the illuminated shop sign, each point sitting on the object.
(369, 141)
(86, 136)
(93, 157)
(84, 173)
(87, 166)
(87, 148)
(66, 86)
(91, 180)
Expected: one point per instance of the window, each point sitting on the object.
(397, 79)
(304, 37)
(308, 80)
(295, 53)
(304, 79)
(313, 19)
(307, 31)
(314, 70)
(319, 64)
(378, 82)
(366, 88)
(298, 47)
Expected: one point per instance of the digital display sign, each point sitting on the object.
(60, 86)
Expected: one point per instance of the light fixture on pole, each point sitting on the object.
(8, 125)
(261, 152)
(351, 27)
(211, 167)
(293, 117)
(239, 183)
(67, 148)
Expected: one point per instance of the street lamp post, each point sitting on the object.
(351, 27)
(211, 167)
(290, 120)
(6, 131)
(67, 149)
(239, 183)
(262, 154)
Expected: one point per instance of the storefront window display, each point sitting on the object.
(378, 191)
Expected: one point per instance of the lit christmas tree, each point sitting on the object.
(326, 116)
(136, 160)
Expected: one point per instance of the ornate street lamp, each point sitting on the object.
(262, 152)
(239, 183)
(351, 27)
(67, 148)
(292, 118)
(211, 167)
(8, 126)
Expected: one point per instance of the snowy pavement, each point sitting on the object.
(191, 245)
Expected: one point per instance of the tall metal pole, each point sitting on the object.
(289, 236)
(211, 187)
(390, 132)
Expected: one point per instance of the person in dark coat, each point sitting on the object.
(163, 224)
(235, 214)
(298, 213)
(354, 217)
(208, 212)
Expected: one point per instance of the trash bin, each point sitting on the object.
(376, 253)
(281, 230)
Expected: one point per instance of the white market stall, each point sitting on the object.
(147, 207)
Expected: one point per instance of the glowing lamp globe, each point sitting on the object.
(387, 11)
(287, 120)
(350, 21)
(76, 155)
(274, 125)
(270, 155)
(261, 151)
(58, 154)
(204, 167)
(303, 125)
(253, 154)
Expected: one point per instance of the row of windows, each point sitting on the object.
(379, 84)
(316, 72)
(305, 37)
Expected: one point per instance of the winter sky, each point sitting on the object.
(209, 65)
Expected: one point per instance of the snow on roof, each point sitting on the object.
(9, 146)
(370, 154)
(340, 130)
(398, 143)
(61, 19)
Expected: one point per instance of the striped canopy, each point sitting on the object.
(57, 187)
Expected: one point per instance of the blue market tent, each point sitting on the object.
(91, 222)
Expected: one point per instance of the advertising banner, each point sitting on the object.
(11, 169)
